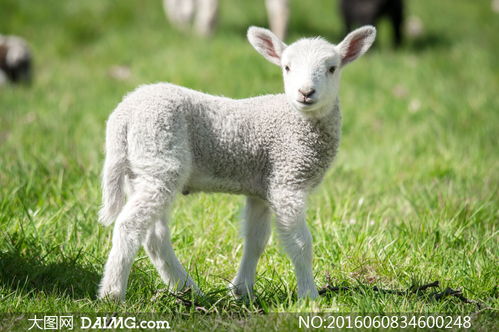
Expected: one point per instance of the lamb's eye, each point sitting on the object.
(286, 68)
(332, 69)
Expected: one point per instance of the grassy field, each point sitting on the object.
(412, 197)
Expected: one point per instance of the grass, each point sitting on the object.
(411, 198)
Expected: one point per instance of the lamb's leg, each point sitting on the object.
(144, 207)
(206, 16)
(296, 238)
(179, 12)
(256, 232)
(159, 248)
(278, 13)
(396, 14)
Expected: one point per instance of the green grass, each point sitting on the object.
(411, 198)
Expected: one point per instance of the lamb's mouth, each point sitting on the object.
(307, 101)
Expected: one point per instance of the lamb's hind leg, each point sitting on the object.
(159, 248)
(256, 231)
(145, 205)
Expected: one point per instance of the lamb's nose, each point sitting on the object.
(306, 92)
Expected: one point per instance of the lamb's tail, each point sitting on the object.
(115, 167)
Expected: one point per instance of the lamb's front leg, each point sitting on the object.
(293, 232)
(256, 232)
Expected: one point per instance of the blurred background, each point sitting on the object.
(89, 51)
(418, 165)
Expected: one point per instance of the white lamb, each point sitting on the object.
(164, 139)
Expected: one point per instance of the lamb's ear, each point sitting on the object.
(356, 43)
(267, 44)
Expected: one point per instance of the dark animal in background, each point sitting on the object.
(368, 12)
(15, 60)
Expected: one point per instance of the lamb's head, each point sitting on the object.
(311, 66)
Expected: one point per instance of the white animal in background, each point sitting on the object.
(164, 139)
(204, 14)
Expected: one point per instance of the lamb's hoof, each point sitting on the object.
(239, 292)
(111, 296)
(310, 294)
(195, 290)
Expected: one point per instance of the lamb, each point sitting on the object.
(15, 60)
(360, 12)
(163, 139)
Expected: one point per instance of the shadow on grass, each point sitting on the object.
(428, 41)
(26, 270)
